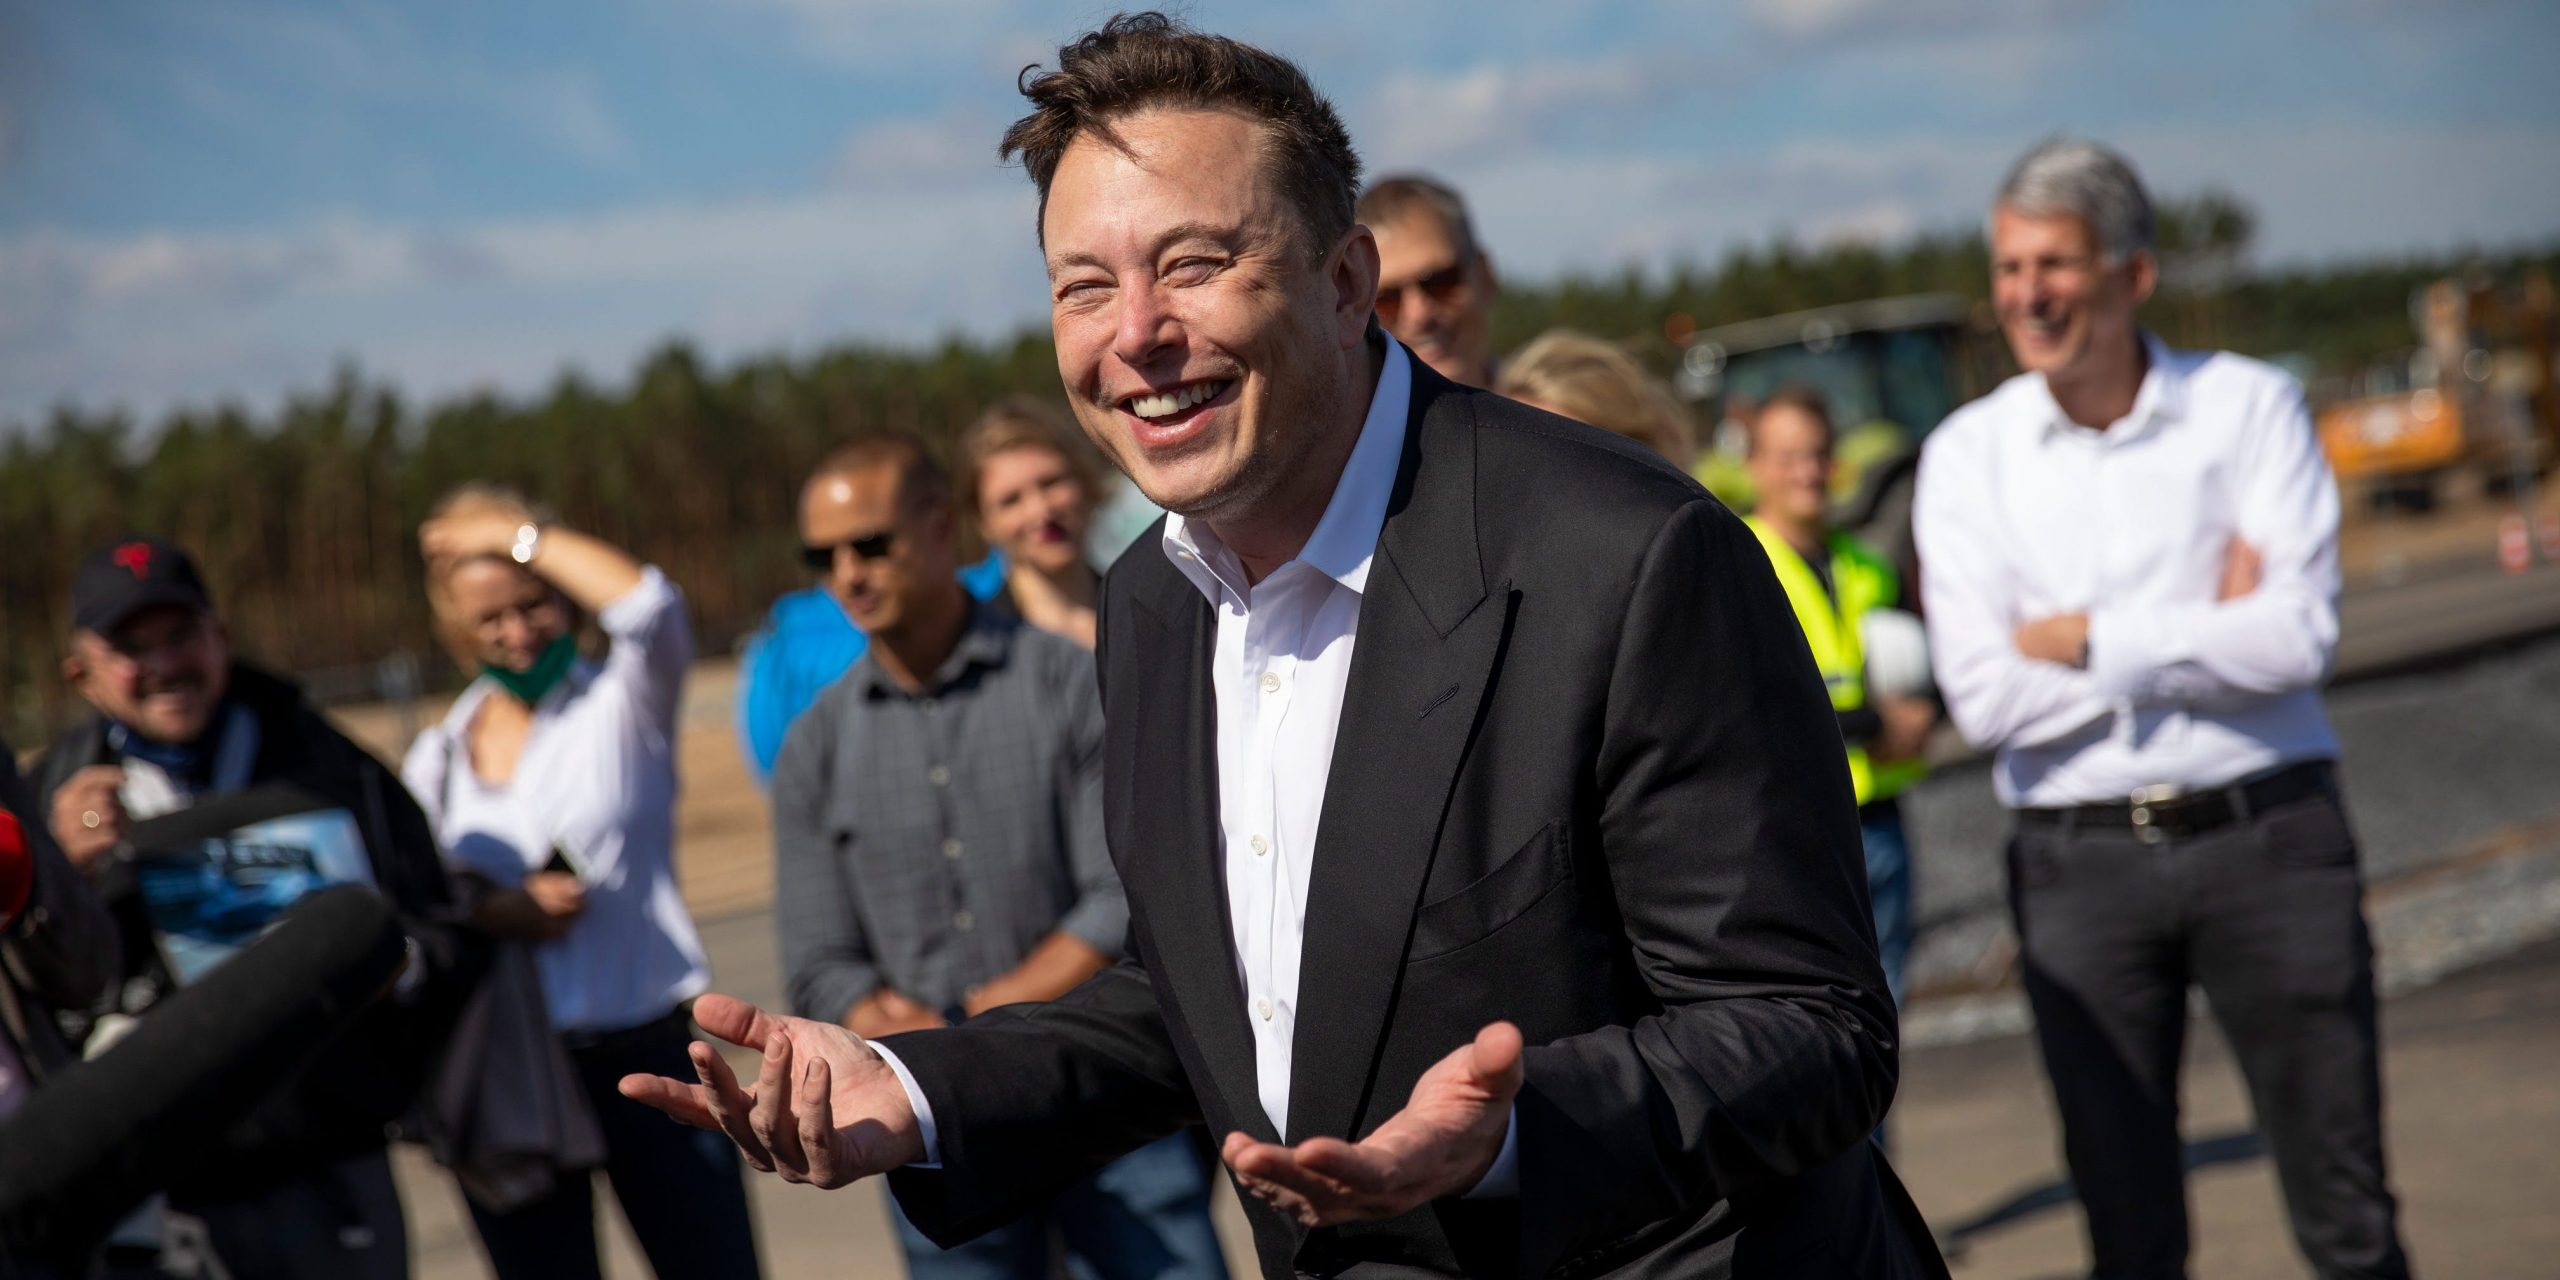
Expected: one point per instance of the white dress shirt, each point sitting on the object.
(597, 779)
(2022, 514)
(1280, 665)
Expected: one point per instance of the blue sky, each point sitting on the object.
(209, 201)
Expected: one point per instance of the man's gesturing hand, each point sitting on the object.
(1441, 1144)
(825, 1108)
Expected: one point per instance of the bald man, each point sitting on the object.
(812, 637)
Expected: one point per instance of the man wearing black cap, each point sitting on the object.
(203, 772)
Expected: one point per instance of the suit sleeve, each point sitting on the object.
(1732, 845)
(1031, 1099)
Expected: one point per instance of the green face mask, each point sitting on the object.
(530, 684)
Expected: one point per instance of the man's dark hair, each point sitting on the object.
(1139, 61)
(923, 483)
(1803, 399)
(1399, 196)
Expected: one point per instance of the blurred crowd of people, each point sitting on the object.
(2129, 596)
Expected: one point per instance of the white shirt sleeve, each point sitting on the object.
(1997, 696)
(915, 1099)
(1503, 1179)
(2278, 638)
(652, 646)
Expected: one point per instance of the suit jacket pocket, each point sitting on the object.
(1496, 898)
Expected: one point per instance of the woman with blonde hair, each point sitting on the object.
(551, 786)
(1590, 380)
(1031, 485)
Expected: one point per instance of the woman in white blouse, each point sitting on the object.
(551, 784)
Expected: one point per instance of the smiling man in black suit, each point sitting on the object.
(1495, 883)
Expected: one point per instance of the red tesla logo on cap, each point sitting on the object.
(136, 557)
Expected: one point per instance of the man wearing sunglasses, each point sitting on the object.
(1435, 283)
(811, 638)
(939, 849)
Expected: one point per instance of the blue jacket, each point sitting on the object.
(805, 645)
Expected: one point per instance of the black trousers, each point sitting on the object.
(2266, 915)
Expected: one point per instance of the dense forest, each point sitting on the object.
(304, 518)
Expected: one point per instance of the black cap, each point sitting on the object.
(129, 575)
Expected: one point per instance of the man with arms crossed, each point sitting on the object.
(1494, 881)
(2132, 577)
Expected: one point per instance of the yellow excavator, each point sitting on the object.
(2476, 396)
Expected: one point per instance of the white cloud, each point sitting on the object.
(152, 320)
(958, 143)
(1839, 22)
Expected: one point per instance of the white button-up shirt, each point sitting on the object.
(1281, 662)
(596, 779)
(2022, 514)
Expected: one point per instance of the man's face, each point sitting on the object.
(1206, 350)
(2062, 306)
(161, 671)
(1436, 296)
(882, 555)
(1790, 464)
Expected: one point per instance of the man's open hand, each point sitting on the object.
(1441, 1144)
(825, 1109)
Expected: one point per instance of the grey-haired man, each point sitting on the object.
(2132, 589)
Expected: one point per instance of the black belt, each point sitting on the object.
(2157, 814)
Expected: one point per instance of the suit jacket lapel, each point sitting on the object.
(1430, 632)
(1174, 873)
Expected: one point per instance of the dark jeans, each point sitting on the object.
(2266, 915)
(1889, 888)
(679, 1186)
(1144, 1217)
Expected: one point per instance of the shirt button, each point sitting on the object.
(932, 705)
(1271, 682)
(938, 775)
(951, 849)
(1260, 846)
(963, 921)
(1263, 1009)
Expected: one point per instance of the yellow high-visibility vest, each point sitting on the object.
(1863, 581)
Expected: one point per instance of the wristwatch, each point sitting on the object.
(528, 543)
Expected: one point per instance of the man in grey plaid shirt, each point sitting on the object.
(938, 843)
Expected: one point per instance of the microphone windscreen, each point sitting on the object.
(98, 1138)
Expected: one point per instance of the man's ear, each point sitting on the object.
(1353, 272)
(1492, 282)
(74, 670)
(2146, 275)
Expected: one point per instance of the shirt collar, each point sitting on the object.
(986, 642)
(2161, 398)
(1345, 540)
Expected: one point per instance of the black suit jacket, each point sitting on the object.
(1586, 779)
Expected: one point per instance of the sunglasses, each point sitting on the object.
(1442, 286)
(868, 547)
